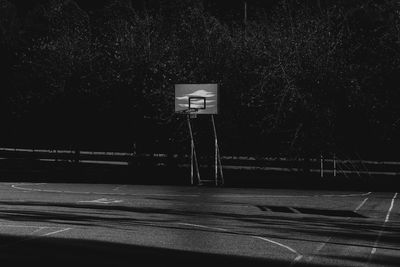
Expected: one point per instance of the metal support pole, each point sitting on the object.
(322, 166)
(334, 165)
(245, 19)
(215, 152)
(191, 161)
(217, 155)
(220, 168)
(193, 149)
(245, 13)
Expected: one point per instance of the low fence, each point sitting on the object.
(321, 166)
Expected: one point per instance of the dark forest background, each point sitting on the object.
(297, 78)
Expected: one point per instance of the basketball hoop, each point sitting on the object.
(193, 99)
(192, 112)
(196, 98)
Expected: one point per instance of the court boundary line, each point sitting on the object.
(323, 244)
(30, 235)
(374, 248)
(18, 187)
(222, 230)
(288, 196)
(56, 232)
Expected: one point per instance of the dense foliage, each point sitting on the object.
(297, 78)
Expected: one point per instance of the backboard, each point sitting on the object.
(198, 98)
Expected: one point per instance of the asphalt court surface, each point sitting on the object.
(119, 225)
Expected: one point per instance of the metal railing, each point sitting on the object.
(324, 166)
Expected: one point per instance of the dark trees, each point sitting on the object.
(300, 78)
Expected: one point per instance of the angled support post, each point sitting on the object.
(193, 157)
(217, 160)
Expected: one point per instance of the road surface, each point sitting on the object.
(131, 225)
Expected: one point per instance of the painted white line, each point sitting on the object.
(29, 226)
(38, 230)
(102, 201)
(289, 196)
(323, 244)
(390, 209)
(141, 194)
(298, 255)
(56, 232)
(181, 195)
(22, 226)
(32, 235)
(373, 251)
(105, 162)
(320, 247)
(34, 189)
(144, 194)
(74, 192)
(256, 196)
(348, 195)
(99, 193)
(88, 161)
(203, 226)
(118, 187)
(361, 204)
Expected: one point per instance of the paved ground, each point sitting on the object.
(121, 225)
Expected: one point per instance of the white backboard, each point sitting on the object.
(200, 98)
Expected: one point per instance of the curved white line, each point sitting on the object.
(102, 201)
(203, 226)
(288, 196)
(99, 193)
(373, 251)
(181, 195)
(23, 226)
(323, 244)
(34, 189)
(257, 196)
(56, 232)
(38, 230)
(298, 255)
(348, 195)
(31, 235)
(119, 187)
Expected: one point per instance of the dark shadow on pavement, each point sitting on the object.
(49, 251)
(59, 252)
